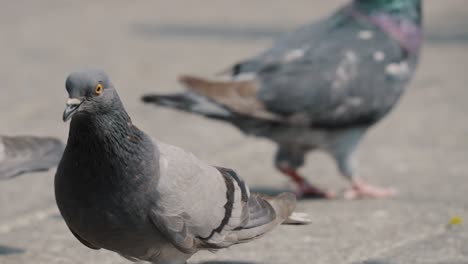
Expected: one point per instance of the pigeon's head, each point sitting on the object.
(408, 9)
(89, 92)
(391, 6)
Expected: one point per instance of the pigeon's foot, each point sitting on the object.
(305, 189)
(362, 190)
(309, 191)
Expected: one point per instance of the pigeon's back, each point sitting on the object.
(292, 43)
(342, 71)
(27, 154)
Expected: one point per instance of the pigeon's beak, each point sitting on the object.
(70, 109)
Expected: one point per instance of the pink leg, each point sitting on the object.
(305, 189)
(360, 189)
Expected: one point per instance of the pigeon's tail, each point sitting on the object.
(27, 154)
(265, 213)
(225, 100)
(190, 102)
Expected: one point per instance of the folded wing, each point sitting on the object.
(212, 207)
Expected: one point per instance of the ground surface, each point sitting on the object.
(422, 148)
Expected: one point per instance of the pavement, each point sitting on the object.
(421, 148)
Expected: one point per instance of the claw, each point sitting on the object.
(361, 190)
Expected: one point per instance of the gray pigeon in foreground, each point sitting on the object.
(318, 88)
(120, 190)
(23, 154)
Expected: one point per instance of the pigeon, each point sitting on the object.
(318, 88)
(121, 190)
(23, 154)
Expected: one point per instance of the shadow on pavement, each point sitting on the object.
(4, 250)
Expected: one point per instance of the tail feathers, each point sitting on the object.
(261, 214)
(265, 213)
(218, 99)
(189, 102)
(219, 89)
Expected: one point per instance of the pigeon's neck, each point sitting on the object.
(409, 9)
(401, 19)
(110, 140)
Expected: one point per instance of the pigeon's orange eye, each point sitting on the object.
(99, 89)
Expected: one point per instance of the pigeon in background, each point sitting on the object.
(23, 154)
(120, 190)
(318, 88)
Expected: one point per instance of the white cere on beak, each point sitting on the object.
(73, 101)
(365, 34)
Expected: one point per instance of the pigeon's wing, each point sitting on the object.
(289, 45)
(353, 78)
(27, 154)
(201, 206)
(349, 72)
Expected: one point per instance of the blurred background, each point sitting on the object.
(421, 148)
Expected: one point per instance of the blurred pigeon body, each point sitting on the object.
(23, 154)
(120, 190)
(320, 87)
